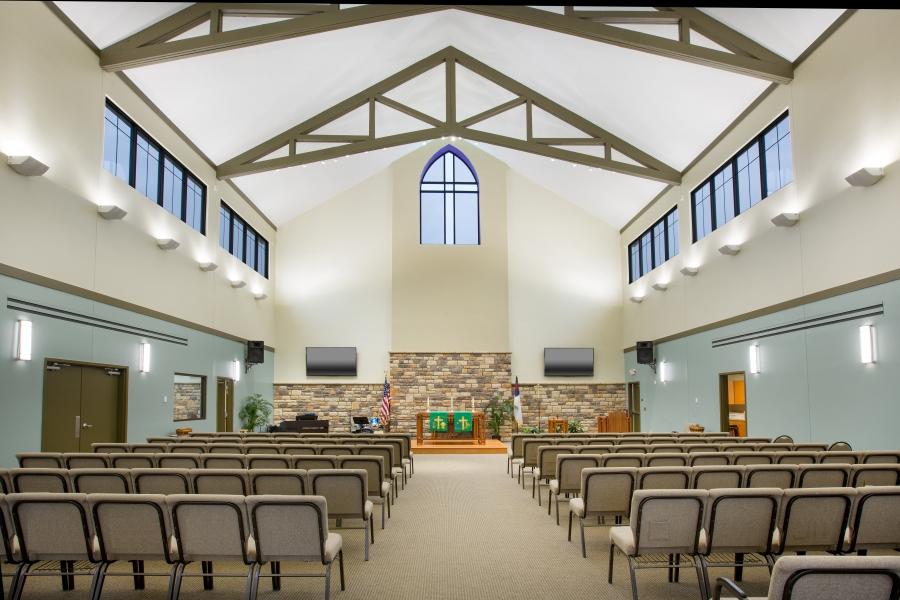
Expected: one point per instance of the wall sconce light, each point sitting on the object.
(865, 177)
(690, 271)
(144, 360)
(260, 295)
(663, 372)
(236, 370)
(206, 267)
(28, 166)
(111, 212)
(637, 299)
(167, 243)
(754, 359)
(867, 344)
(730, 249)
(660, 286)
(237, 283)
(23, 342)
(786, 219)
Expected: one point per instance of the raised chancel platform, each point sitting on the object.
(458, 447)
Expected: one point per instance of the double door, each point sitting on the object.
(83, 404)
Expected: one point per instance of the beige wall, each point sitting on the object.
(352, 272)
(51, 107)
(450, 298)
(564, 283)
(334, 282)
(845, 114)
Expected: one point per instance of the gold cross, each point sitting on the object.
(439, 423)
(463, 423)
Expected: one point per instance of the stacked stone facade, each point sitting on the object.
(188, 402)
(417, 376)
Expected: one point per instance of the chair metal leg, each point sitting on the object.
(341, 567)
(738, 566)
(557, 510)
(21, 576)
(549, 505)
(97, 581)
(64, 575)
(137, 567)
(669, 569)
(176, 583)
(633, 572)
(372, 527)
(328, 581)
(176, 568)
(704, 572)
(207, 568)
(676, 573)
(532, 488)
(382, 514)
(367, 540)
(253, 581)
(701, 577)
(570, 525)
(275, 568)
(609, 568)
(583, 545)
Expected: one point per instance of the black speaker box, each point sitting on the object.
(256, 352)
(644, 353)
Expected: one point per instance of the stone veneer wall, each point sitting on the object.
(416, 376)
(188, 401)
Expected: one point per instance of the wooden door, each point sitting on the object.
(101, 410)
(61, 422)
(83, 404)
(634, 405)
(224, 404)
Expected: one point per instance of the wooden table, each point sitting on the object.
(477, 428)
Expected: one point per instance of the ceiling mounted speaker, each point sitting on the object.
(110, 212)
(167, 243)
(786, 219)
(28, 166)
(730, 249)
(865, 177)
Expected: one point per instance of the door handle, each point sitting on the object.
(86, 426)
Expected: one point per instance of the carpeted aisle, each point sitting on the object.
(461, 529)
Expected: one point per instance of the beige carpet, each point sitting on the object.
(462, 529)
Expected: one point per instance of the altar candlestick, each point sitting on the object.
(429, 404)
(473, 404)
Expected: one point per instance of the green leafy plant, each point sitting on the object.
(529, 429)
(498, 412)
(576, 426)
(255, 412)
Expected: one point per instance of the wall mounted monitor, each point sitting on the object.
(331, 361)
(568, 362)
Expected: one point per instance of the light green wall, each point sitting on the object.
(812, 385)
(21, 383)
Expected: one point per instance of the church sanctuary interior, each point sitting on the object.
(441, 302)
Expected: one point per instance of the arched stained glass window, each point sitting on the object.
(448, 200)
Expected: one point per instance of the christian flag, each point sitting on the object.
(386, 403)
(517, 402)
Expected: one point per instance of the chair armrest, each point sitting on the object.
(732, 586)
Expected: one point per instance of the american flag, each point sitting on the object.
(386, 403)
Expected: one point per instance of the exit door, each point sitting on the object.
(634, 405)
(83, 404)
(224, 404)
(733, 400)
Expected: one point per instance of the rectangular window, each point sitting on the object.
(761, 168)
(242, 241)
(655, 246)
(135, 157)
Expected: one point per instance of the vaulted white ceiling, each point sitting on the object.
(228, 102)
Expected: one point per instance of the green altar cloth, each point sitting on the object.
(439, 422)
(462, 422)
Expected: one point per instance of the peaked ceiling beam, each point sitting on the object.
(769, 66)
(281, 151)
(153, 45)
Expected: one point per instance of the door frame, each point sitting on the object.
(123, 389)
(229, 420)
(724, 421)
(632, 390)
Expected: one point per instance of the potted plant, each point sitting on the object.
(498, 412)
(576, 426)
(255, 412)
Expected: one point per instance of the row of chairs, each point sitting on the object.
(753, 525)
(568, 478)
(544, 457)
(102, 529)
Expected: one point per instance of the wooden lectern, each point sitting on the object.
(477, 428)
(616, 421)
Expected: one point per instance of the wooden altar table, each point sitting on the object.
(451, 435)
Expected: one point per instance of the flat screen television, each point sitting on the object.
(568, 362)
(331, 361)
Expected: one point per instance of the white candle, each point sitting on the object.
(473, 404)
(429, 404)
